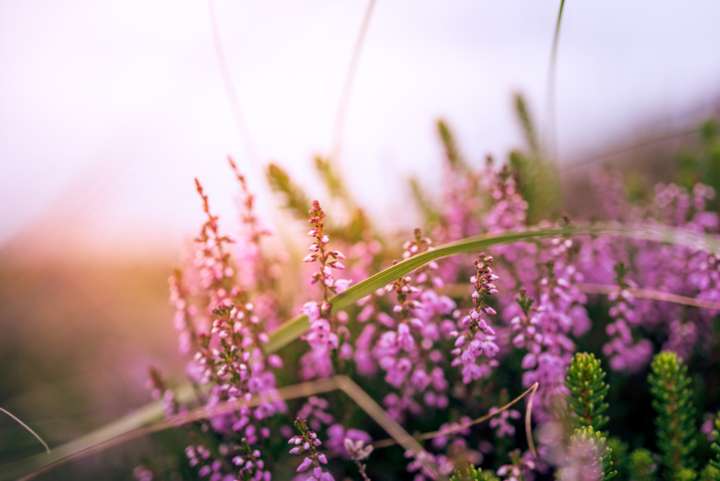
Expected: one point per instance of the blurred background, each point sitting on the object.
(109, 109)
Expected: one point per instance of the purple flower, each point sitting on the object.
(306, 444)
(475, 346)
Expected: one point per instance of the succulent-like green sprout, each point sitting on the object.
(585, 380)
(471, 473)
(715, 445)
(620, 453)
(641, 465)
(712, 470)
(671, 389)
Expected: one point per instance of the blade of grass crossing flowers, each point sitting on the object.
(295, 327)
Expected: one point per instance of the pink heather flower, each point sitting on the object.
(501, 422)
(545, 328)
(184, 313)
(357, 449)
(338, 437)
(160, 392)
(707, 426)
(582, 461)
(212, 259)
(475, 345)
(141, 473)
(426, 466)
(624, 353)
(306, 444)
(521, 467)
(327, 332)
(315, 413)
(327, 259)
(407, 348)
(508, 211)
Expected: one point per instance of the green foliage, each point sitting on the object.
(710, 473)
(641, 465)
(619, 452)
(296, 201)
(715, 445)
(536, 177)
(703, 163)
(526, 124)
(585, 380)
(333, 181)
(452, 153)
(599, 440)
(671, 389)
(685, 474)
(471, 473)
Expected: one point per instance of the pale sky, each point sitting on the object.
(109, 109)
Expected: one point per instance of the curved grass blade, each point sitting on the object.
(26, 428)
(294, 328)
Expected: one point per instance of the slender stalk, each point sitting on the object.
(552, 69)
(529, 393)
(344, 103)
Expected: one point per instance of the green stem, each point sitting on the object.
(552, 69)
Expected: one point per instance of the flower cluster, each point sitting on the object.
(475, 347)
(306, 444)
(624, 352)
(326, 331)
(407, 347)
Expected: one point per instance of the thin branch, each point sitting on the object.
(26, 427)
(344, 103)
(651, 294)
(529, 393)
(230, 89)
